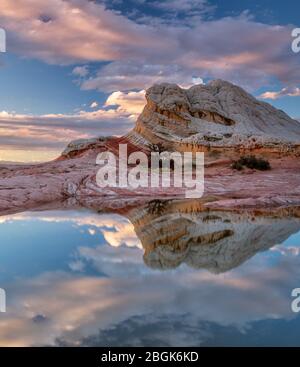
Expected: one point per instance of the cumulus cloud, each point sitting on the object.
(284, 92)
(131, 102)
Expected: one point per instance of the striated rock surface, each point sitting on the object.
(217, 115)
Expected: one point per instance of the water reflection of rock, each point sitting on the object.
(176, 232)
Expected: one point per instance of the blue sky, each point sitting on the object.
(32, 86)
(79, 67)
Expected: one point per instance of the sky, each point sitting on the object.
(79, 68)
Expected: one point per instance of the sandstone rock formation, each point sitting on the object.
(217, 115)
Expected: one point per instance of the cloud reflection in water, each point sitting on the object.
(100, 292)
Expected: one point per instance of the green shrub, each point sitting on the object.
(251, 162)
(237, 165)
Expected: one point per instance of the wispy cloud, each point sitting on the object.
(285, 92)
(116, 117)
(81, 71)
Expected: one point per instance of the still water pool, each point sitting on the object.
(156, 276)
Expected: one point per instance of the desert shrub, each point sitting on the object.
(159, 147)
(156, 206)
(251, 162)
(237, 165)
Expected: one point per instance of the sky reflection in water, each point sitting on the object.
(78, 278)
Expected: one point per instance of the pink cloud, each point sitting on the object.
(51, 132)
(59, 31)
(238, 49)
(131, 102)
(285, 92)
(128, 75)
